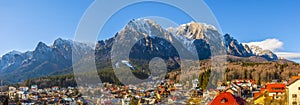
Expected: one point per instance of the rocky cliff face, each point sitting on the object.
(203, 34)
(155, 42)
(235, 48)
(269, 55)
(44, 60)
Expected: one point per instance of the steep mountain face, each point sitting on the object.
(195, 30)
(155, 42)
(269, 55)
(159, 42)
(235, 48)
(148, 40)
(203, 34)
(198, 34)
(44, 60)
(13, 59)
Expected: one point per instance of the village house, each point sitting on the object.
(11, 92)
(34, 88)
(273, 91)
(226, 98)
(294, 91)
(23, 88)
(54, 88)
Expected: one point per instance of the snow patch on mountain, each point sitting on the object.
(258, 51)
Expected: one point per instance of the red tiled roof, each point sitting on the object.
(276, 87)
(227, 98)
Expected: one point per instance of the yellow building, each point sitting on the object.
(259, 100)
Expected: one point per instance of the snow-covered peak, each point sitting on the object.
(200, 25)
(10, 55)
(14, 52)
(194, 30)
(142, 28)
(262, 52)
(60, 41)
(142, 25)
(10, 58)
(256, 49)
(141, 22)
(42, 47)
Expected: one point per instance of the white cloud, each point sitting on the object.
(274, 45)
(268, 44)
(288, 55)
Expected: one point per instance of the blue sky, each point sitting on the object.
(24, 23)
(254, 20)
(257, 20)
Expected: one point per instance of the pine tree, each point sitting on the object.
(259, 81)
(245, 74)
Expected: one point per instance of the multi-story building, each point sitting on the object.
(275, 90)
(294, 91)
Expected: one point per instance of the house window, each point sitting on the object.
(294, 95)
(298, 88)
(294, 103)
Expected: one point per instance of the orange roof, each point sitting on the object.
(257, 94)
(276, 87)
(293, 79)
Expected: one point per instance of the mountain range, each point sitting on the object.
(55, 59)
